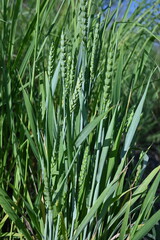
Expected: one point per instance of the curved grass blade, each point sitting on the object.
(147, 226)
(8, 205)
(137, 194)
(135, 121)
(104, 196)
(88, 129)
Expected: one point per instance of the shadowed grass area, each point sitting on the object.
(77, 87)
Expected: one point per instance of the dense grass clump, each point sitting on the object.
(75, 77)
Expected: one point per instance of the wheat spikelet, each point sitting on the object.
(67, 82)
(60, 229)
(72, 74)
(82, 175)
(54, 158)
(84, 20)
(94, 49)
(63, 56)
(77, 90)
(129, 120)
(47, 192)
(92, 69)
(138, 174)
(108, 77)
(51, 61)
(62, 232)
(64, 69)
(83, 168)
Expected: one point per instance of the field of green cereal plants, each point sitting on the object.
(79, 82)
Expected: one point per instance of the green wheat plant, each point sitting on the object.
(75, 77)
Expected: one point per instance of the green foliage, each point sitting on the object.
(74, 83)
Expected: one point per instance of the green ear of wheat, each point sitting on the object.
(51, 61)
(84, 20)
(77, 90)
(83, 172)
(108, 77)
